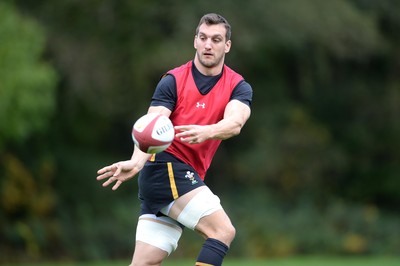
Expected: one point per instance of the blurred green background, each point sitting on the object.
(316, 170)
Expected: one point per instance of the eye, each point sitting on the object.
(217, 40)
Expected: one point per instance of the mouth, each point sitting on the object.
(207, 54)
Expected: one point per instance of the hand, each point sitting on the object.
(193, 134)
(118, 173)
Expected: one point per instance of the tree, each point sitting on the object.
(27, 102)
(27, 87)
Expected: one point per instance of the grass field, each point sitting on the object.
(294, 261)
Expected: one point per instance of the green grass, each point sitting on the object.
(293, 261)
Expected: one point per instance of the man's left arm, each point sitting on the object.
(235, 116)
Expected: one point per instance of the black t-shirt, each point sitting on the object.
(165, 93)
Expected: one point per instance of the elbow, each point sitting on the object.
(231, 130)
(229, 134)
(236, 131)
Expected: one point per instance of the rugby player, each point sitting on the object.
(207, 102)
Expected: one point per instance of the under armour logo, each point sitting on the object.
(202, 105)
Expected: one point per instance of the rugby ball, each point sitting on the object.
(153, 133)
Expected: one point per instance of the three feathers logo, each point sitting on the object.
(190, 175)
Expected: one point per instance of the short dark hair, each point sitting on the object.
(214, 19)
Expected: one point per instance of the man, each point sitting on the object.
(207, 102)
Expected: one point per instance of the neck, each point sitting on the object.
(208, 71)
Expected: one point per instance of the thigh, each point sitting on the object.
(146, 254)
(190, 208)
(217, 225)
(156, 238)
(177, 206)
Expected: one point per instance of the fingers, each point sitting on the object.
(111, 180)
(183, 128)
(106, 169)
(187, 134)
(101, 171)
(117, 184)
(191, 138)
(184, 131)
(104, 176)
(119, 172)
(111, 172)
(105, 172)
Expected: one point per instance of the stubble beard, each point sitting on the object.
(209, 63)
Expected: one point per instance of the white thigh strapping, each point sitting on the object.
(162, 232)
(202, 204)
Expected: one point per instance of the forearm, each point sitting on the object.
(138, 157)
(225, 129)
(235, 116)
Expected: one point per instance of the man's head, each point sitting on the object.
(212, 42)
(214, 19)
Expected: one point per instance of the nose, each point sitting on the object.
(208, 44)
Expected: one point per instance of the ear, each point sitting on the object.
(228, 45)
(194, 42)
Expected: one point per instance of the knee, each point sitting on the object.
(217, 226)
(225, 233)
(229, 233)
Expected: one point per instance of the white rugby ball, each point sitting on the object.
(153, 133)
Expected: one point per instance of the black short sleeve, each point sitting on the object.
(243, 92)
(165, 93)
